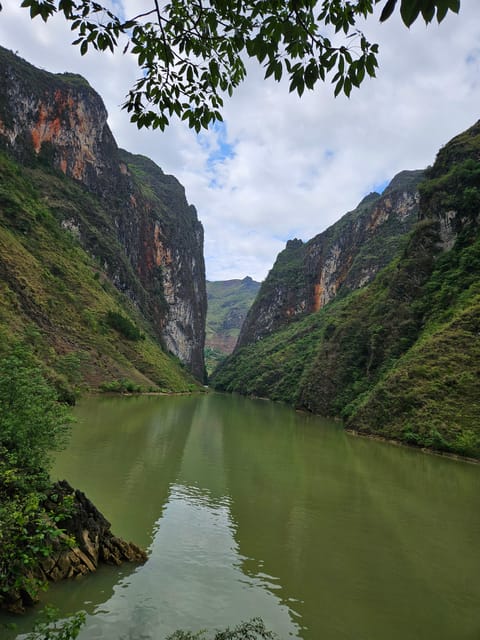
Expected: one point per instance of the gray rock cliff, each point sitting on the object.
(345, 257)
(61, 122)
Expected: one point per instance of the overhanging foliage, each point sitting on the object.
(193, 52)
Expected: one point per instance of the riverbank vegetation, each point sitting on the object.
(48, 531)
(51, 628)
(33, 424)
(254, 629)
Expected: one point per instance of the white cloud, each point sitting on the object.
(296, 165)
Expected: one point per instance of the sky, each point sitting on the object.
(280, 166)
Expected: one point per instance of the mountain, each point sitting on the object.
(101, 254)
(398, 357)
(345, 257)
(228, 303)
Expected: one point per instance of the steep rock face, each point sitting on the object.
(345, 257)
(450, 195)
(59, 121)
(171, 263)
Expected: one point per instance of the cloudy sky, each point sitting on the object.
(282, 166)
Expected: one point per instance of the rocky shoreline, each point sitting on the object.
(85, 541)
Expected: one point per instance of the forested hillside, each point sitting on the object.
(400, 357)
(228, 304)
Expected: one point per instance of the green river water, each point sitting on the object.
(249, 508)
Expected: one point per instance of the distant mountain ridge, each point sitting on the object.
(228, 304)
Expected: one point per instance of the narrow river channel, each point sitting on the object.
(250, 509)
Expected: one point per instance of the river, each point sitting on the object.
(249, 508)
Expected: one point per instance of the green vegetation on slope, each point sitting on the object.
(430, 396)
(343, 258)
(32, 425)
(228, 304)
(399, 358)
(57, 297)
(162, 189)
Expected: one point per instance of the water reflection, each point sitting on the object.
(193, 578)
(368, 540)
(124, 454)
(250, 509)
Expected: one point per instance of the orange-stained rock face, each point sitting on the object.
(149, 246)
(68, 120)
(340, 257)
(48, 125)
(157, 253)
(163, 256)
(379, 215)
(318, 293)
(46, 129)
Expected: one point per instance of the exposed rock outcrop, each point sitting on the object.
(85, 542)
(345, 257)
(59, 121)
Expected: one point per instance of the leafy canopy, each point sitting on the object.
(33, 424)
(192, 52)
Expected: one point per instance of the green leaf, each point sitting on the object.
(387, 10)
(409, 10)
(444, 6)
(300, 87)
(278, 71)
(347, 87)
(338, 87)
(428, 12)
(270, 69)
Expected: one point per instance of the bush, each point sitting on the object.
(123, 325)
(121, 386)
(50, 628)
(252, 630)
(32, 425)
(32, 421)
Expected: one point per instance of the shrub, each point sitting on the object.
(121, 386)
(32, 425)
(123, 325)
(252, 630)
(32, 421)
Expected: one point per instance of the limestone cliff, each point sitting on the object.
(345, 257)
(150, 242)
